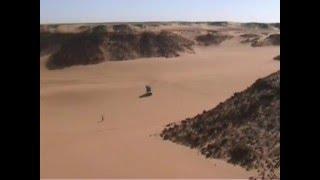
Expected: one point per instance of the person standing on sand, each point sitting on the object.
(102, 119)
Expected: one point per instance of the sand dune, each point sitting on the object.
(127, 143)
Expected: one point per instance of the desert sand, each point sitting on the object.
(74, 144)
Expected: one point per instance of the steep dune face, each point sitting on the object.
(244, 130)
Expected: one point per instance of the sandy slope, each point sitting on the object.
(126, 144)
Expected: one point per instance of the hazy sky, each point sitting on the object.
(73, 11)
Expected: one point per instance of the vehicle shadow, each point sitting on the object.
(145, 95)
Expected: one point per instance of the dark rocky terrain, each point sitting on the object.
(50, 42)
(91, 43)
(218, 23)
(249, 38)
(212, 38)
(243, 130)
(78, 49)
(277, 25)
(257, 25)
(271, 40)
(277, 58)
(98, 45)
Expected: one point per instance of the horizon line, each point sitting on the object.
(171, 21)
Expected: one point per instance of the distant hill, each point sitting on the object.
(91, 43)
(95, 47)
(244, 130)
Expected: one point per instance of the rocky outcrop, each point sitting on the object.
(243, 130)
(212, 38)
(51, 42)
(79, 49)
(256, 25)
(271, 40)
(277, 58)
(98, 45)
(218, 23)
(249, 38)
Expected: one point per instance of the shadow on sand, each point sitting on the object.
(145, 95)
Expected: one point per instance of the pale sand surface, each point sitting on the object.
(126, 144)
